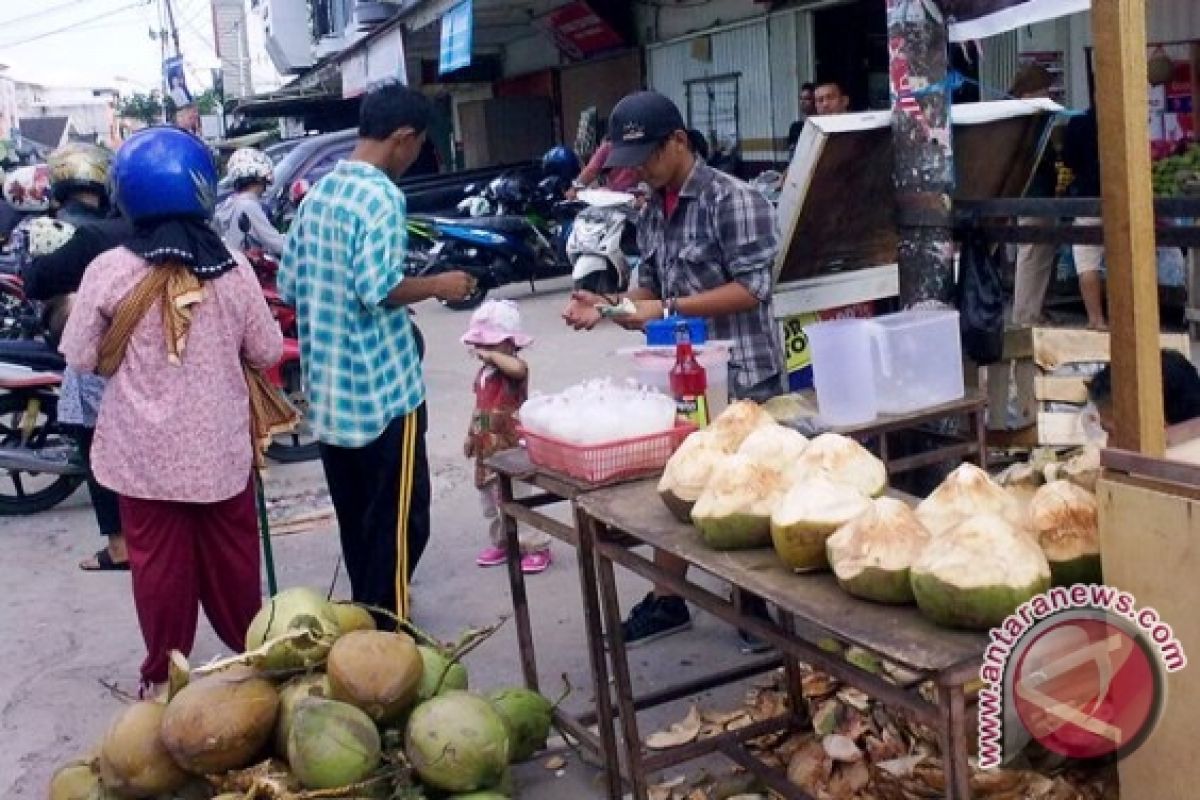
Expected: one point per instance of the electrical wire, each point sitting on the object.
(74, 25)
(40, 14)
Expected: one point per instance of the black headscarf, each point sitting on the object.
(190, 242)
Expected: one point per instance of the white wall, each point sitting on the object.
(660, 23)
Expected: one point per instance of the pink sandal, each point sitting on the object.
(491, 557)
(533, 563)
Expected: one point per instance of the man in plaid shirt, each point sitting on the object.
(343, 271)
(708, 243)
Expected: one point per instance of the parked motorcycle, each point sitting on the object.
(602, 246)
(525, 243)
(299, 444)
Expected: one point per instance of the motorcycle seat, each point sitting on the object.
(500, 224)
(32, 353)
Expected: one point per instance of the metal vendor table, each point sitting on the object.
(513, 467)
(810, 607)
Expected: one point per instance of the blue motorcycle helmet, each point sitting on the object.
(561, 162)
(162, 172)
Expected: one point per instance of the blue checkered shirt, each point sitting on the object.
(345, 252)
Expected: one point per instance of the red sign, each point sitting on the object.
(579, 31)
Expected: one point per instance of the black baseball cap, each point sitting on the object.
(639, 123)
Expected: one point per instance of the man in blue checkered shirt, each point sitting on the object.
(343, 271)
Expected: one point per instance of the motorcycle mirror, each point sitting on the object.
(298, 189)
(244, 223)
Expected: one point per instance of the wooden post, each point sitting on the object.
(1119, 31)
(923, 171)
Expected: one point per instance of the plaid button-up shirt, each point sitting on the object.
(722, 231)
(345, 252)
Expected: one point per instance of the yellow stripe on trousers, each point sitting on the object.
(408, 457)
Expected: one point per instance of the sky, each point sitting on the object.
(102, 42)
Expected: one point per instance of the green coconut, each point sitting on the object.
(967, 492)
(528, 715)
(733, 425)
(221, 721)
(734, 510)
(871, 555)
(290, 694)
(78, 780)
(1065, 519)
(808, 515)
(437, 669)
(376, 671)
(842, 460)
(332, 744)
(133, 760)
(291, 611)
(458, 742)
(687, 473)
(352, 617)
(977, 573)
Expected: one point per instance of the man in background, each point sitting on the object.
(808, 108)
(830, 98)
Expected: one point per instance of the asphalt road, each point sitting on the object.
(67, 638)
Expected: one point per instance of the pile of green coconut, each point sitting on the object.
(321, 705)
(968, 555)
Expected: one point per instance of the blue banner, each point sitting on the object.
(457, 29)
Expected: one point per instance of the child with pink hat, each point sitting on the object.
(501, 386)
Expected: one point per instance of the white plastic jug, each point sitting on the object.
(651, 366)
(843, 370)
(918, 360)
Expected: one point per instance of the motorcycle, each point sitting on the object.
(299, 444)
(603, 242)
(525, 243)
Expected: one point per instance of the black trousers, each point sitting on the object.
(381, 493)
(104, 500)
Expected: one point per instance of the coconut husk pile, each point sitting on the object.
(857, 749)
(320, 706)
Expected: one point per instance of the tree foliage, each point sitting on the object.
(146, 107)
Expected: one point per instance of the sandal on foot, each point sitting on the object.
(104, 563)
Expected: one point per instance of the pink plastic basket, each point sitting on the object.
(608, 462)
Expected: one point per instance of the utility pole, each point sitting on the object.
(923, 171)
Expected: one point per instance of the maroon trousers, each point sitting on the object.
(187, 555)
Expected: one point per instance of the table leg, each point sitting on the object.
(953, 707)
(980, 418)
(593, 625)
(516, 583)
(623, 684)
(791, 669)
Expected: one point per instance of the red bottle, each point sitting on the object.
(689, 382)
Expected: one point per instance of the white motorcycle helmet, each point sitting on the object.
(47, 235)
(248, 165)
(27, 189)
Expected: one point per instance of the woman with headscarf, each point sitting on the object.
(180, 328)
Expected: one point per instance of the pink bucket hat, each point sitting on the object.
(495, 322)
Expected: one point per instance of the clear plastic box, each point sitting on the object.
(918, 360)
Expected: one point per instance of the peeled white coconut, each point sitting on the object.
(978, 572)
(774, 446)
(687, 473)
(734, 510)
(842, 460)
(735, 423)
(871, 555)
(967, 492)
(1065, 519)
(807, 515)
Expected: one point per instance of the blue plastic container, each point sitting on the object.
(661, 332)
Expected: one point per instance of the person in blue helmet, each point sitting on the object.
(179, 327)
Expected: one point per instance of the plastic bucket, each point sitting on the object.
(843, 370)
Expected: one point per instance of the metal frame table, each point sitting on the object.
(513, 467)
(811, 607)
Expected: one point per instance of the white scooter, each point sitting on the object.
(602, 242)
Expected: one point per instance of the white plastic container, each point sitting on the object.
(843, 370)
(651, 366)
(918, 360)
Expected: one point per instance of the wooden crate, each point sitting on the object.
(1031, 355)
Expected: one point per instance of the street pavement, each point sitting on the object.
(70, 645)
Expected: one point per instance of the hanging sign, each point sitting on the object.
(457, 33)
(579, 31)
